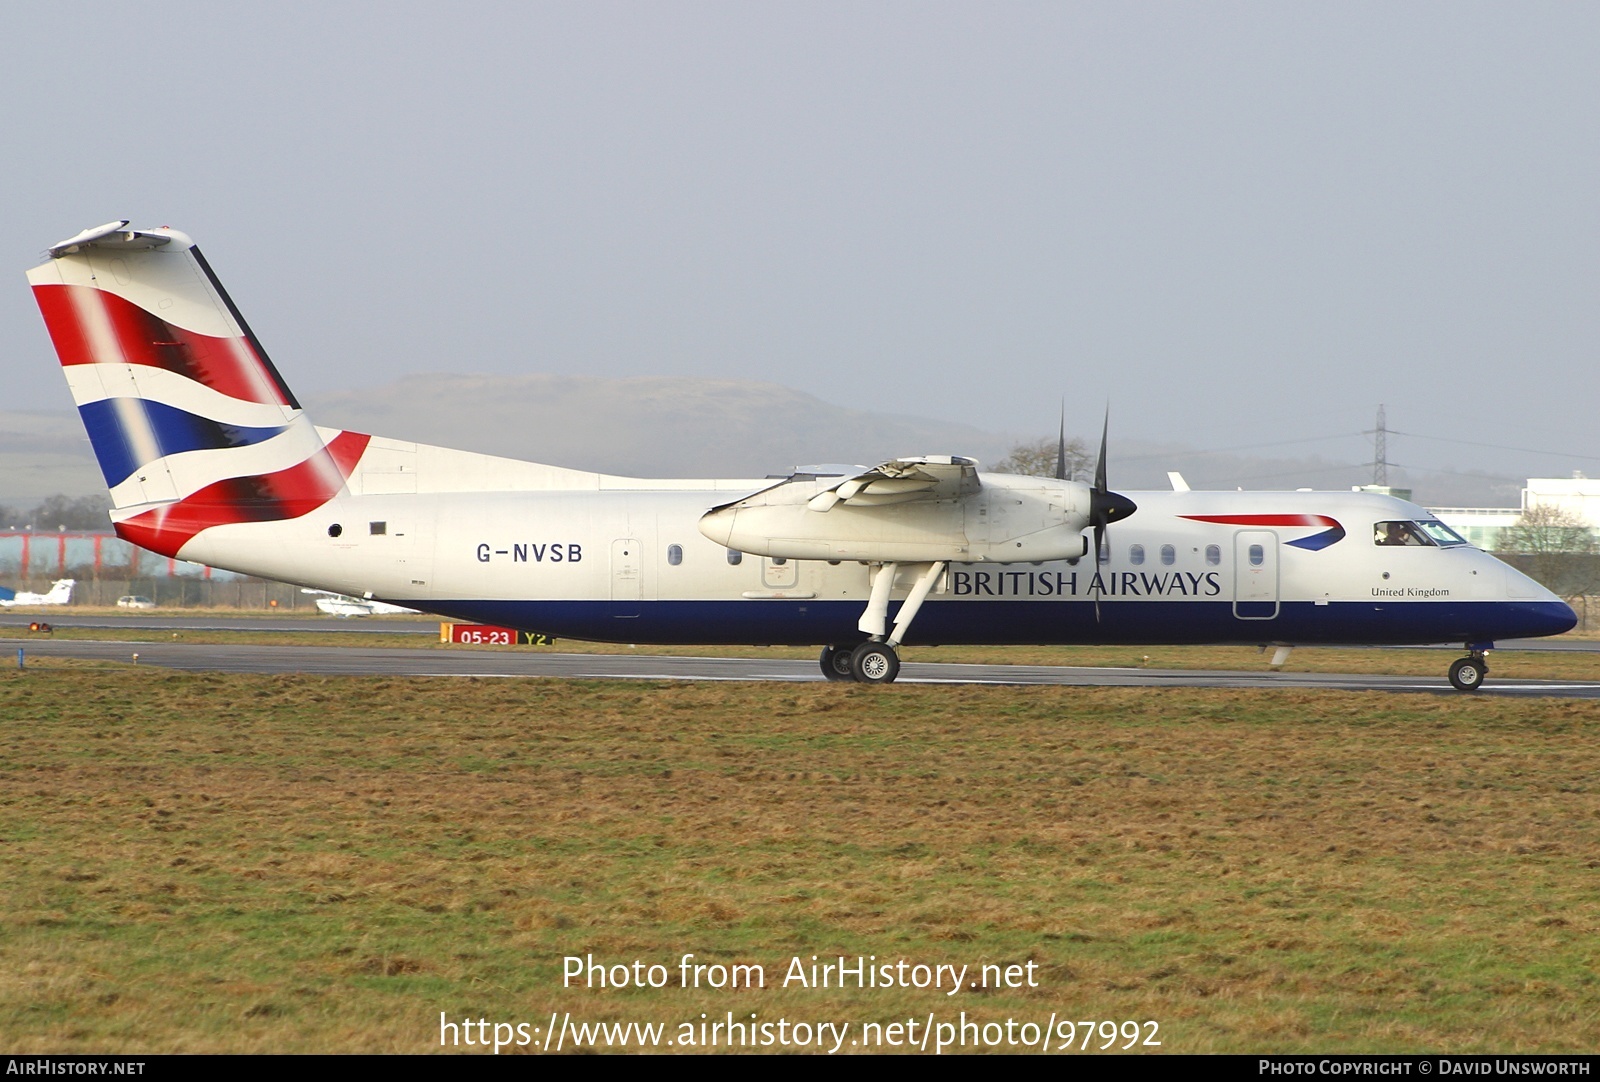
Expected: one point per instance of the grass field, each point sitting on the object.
(236, 863)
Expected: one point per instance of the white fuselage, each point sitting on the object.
(592, 556)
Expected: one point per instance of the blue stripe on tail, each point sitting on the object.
(170, 430)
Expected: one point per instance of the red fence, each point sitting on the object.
(32, 554)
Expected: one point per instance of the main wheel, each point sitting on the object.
(835, 662)
(1467, 673)
(875, 663)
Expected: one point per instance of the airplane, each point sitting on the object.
(344, 605)
(209, 457)
(60, 594)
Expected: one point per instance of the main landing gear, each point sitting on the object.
(836, 662)
(869, 663)
(1467, 673)
(875, 661)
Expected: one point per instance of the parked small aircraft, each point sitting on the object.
(343, 605)
(210, 458)
(60, 594)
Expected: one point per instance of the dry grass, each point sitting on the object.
(232, 863)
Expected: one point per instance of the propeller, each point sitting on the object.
(1105, 506)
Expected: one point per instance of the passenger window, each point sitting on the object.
(735, 556)
(1399, 534)
(1213, 555)
(779, 561)
(1136, 555)
(1168, 554)
(674, 555)
(1258, 555)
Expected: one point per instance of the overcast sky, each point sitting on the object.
(1237, 223)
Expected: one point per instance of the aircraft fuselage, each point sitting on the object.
(632, 566)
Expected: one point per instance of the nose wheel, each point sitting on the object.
(1467, 673)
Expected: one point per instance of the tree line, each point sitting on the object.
(59, 512)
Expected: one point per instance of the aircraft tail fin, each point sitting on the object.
(191, 423)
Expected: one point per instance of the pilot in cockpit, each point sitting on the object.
(1396, 533)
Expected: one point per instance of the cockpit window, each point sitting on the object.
(1442, 535)
(1399, 533)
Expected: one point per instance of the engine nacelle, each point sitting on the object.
(1008, 520)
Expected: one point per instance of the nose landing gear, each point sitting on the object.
(1467, 673)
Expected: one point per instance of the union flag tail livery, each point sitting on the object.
(191, 423)
(209, 458)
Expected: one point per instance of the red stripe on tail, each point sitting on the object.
(229, 365)
(272, 497)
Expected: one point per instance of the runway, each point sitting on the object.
(211, 621)
(506, 664)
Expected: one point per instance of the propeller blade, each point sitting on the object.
(1105, 506)
(1099, 547)
(1100, 465)
(1061, 445)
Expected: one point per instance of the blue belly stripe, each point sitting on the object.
(1067, 623)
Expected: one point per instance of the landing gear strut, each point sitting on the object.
(875, 661)
(1467, 673)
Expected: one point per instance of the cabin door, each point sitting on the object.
(1255, 575)
(627, 560)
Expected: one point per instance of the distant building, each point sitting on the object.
(1577, 494)
(1483, 526)
(1384, 490)
(1480, 525)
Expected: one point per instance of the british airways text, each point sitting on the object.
(970, 583)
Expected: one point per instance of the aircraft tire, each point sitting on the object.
(835, 662)
(875, 663)
(1467, 673)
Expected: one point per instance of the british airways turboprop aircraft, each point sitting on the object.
(210, 458)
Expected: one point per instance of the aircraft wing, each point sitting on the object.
(902, 480)
(911, 510)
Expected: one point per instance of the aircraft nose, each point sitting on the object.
(1557, 617)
